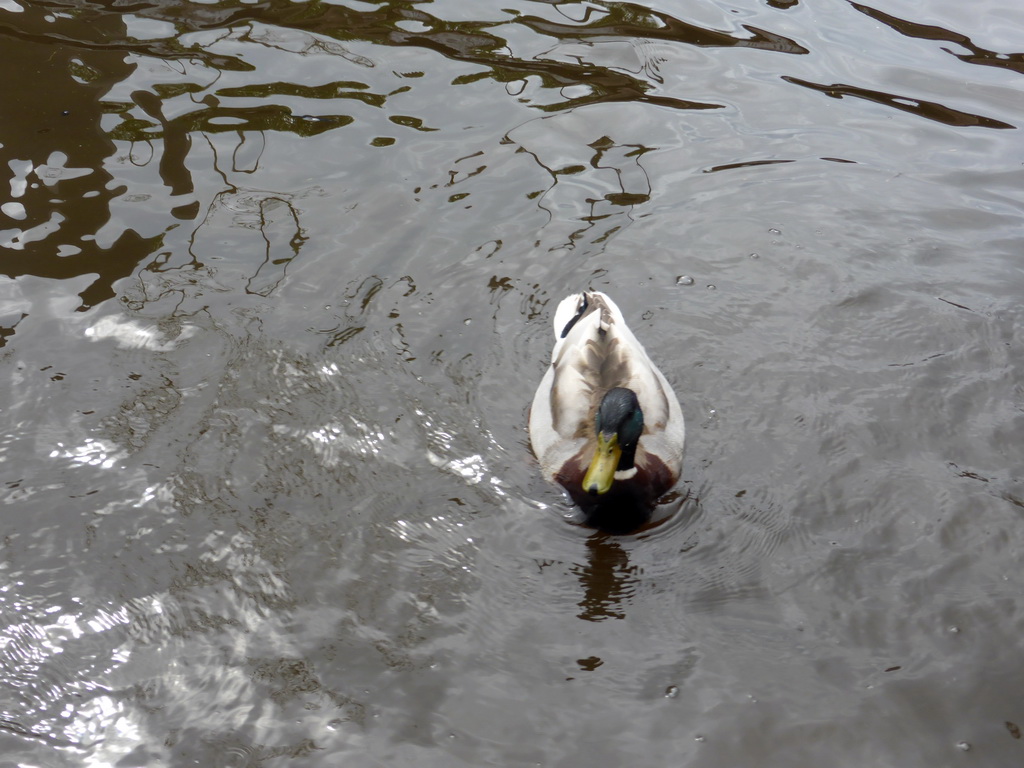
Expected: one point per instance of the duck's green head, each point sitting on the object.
(619, 423)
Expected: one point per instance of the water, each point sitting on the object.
(277, 288)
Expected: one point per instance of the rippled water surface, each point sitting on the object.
(276, 287)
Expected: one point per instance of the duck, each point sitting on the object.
(605, 423)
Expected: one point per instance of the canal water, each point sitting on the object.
(277, 282)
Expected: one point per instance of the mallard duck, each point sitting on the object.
(605, 423)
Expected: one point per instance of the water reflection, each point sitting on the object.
(210, 89)
(273, 499)
(604, 178)
(610, 580)
(927, 109)
(615, 19)
(6, 331)
(53, 156)
(975, 53)
(607, 579)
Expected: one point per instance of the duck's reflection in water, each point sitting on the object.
(606, 578)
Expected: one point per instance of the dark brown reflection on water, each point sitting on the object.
(606, 579)
(6, 331)
(53, 152)
(466, 41)
(976, 54)
(82, 56)
(927, 109)
(609, 213)
(748, 164)
(474, 42)
(609, 580)
(265, 117)
(617, 19)
(636, 186)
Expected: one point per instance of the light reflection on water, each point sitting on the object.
(276, 294)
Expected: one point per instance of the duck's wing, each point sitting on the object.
(625, 363)
(562, 405)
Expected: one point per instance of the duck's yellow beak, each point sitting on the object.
(601, 473)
